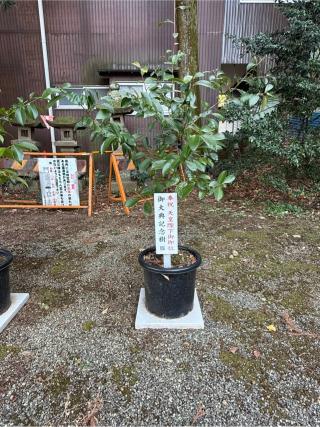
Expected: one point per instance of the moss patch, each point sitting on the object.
(223, 311)
(58, 384)
(298, 301)
(54, 298)
(242, 367)
(124, 377)
(67, 264)
(8, 349)
(88, 325)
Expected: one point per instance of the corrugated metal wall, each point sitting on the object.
(244, 20)
(210, 30)
(85, 35)
(21, 66)
(210, 33)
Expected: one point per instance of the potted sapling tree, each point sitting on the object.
(180, 162)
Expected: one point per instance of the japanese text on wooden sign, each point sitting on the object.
(166, 223)
(59, 181)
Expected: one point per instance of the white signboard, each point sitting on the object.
(59, 181)
(166, 223)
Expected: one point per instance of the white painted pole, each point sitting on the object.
(46, 65)
(166, 261)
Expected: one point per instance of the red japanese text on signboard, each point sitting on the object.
(166, 223)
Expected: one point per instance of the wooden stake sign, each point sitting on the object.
(166, 225)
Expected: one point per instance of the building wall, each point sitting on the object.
(21, 65)
(84, 36)
(244, 20)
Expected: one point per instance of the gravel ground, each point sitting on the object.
(73, 352)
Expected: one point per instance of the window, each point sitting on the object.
(66, 104)
(139, 86)
(100, 91)
(126, 86)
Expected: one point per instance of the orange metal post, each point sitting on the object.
(120, 185)
(91, 175)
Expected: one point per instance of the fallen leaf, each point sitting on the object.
(256, 354)
(271, 328)
(200, 413)
(94, 407)
(293, 328)
(233, 349)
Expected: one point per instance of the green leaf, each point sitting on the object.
(184, 189)
(218, 193)
(158, 164)
(229, 179)
(268, 87)
(167, 168)
(132, 202)
(143, 166)
(204, 83)
(213, 141)
(21, 180)
(251, 65)
(48, 92)
(26, 146)
(106, 143)
(187, 79)
(194, 141)
(253, 100)
(144, 70)
(147, 207)
(20, 116)
(191, 165)
(222, 177)
(136, 64)
(17, 153)
(103, 115)
(32, 111)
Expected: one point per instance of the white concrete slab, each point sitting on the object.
(17, 302)
(147, 320)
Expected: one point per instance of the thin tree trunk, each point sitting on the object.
(186, 27)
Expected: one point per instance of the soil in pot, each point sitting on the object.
(169, 292)
(181, 259)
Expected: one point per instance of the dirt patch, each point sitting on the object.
(75, 339)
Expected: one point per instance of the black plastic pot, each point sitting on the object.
(4, 279)
(169, 292)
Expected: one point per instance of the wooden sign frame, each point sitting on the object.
(31, 204)
(114, 168)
